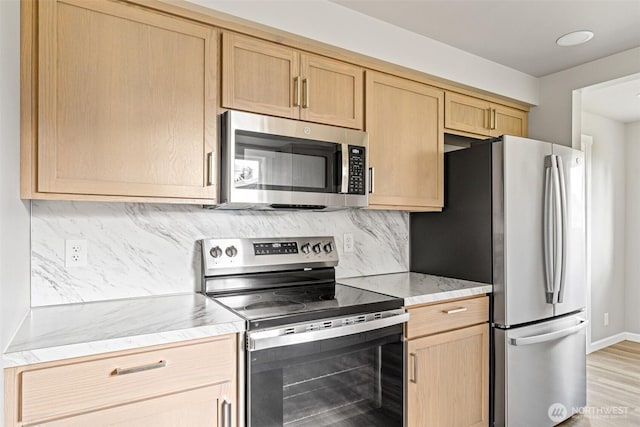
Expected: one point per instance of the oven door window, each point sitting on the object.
(355, 380)
(269, 162)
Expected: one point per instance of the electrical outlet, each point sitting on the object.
(75, 253)
(349, 242)
(606, 319)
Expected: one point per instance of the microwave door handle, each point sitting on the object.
(344, 178)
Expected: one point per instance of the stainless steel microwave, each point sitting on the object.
(275, 163)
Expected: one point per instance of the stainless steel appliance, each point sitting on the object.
(270, 163)
(514, 217)
(316, 353)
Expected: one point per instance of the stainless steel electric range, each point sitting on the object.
(316, 352)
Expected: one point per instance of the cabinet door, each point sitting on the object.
(331, 92)
(199, 407)
(448, 379)
(509, 121)
(466, 114)
(126, 101)
(405, 125)
(259, 76)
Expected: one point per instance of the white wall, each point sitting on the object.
(14, 213)
(608, 224)
(552, 119)
(336, 25)
(632, 243)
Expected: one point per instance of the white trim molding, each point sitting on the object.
(613, 339)
(633, 337)
(586, 144)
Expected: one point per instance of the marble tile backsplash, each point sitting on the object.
(138, 249)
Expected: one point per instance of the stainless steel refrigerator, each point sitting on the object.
(514, 217)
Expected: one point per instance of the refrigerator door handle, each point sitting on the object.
(557, 226)
(548, 230)
(563, 231)
(551, 336)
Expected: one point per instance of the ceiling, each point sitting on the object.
(617, 100)
(519, 34)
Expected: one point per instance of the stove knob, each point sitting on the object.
(306, 248)
(231, 251)
(328, 248)
(316, 248)
(216, 252)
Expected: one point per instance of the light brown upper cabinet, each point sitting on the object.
(406, 131)
(268, 78)
(468, 114)
(125, 103)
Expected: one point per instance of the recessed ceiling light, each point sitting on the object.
(575, 38)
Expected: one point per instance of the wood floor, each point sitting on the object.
(613, 388)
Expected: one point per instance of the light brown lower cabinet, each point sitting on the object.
(199, 407)
(448, 377)
(188, 384)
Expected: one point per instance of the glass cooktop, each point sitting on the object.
(279, 306)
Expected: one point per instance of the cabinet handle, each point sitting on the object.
(150, 366)
(211, 166)
(296, 91)
(305, 88)
(414, 370)
(372, 176)
(226, 414)
(455, 310)
(493, 118)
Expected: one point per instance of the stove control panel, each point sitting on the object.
(231, 256)
(275, 248)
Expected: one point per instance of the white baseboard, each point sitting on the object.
(614, 339)
(633, 337)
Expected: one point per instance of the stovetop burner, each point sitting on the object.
(273, 307)
(266, 308)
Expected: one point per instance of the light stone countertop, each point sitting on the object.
(73, 330)
(418, 288)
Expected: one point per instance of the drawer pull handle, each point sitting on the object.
(125, 371)
(455, 310)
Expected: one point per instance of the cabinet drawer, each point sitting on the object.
(86, 386)
(445, 316)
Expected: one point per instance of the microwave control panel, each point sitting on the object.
(356, 170)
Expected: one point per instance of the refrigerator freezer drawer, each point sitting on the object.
(540, 372)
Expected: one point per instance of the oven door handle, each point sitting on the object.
(255, 342)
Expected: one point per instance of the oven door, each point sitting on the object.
(352, 380)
